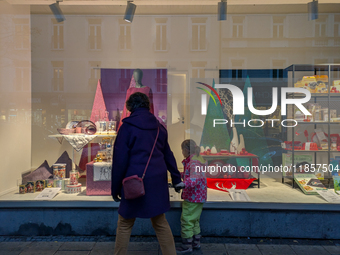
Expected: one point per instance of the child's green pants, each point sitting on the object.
(190, 219)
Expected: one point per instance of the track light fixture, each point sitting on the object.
(130, 11)
(57, 11)
(313, 10)
(222, 10)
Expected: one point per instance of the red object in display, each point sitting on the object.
(98, 107)
(334, 90)
(289, 145)
(312, 146)
(306, 134)
(96, 188)
(315, 139)
(244, 152)
(225, 184)
(337, 136)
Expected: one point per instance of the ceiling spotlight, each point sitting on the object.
(222, 10)
(313, 10)
(130, 11)
(57, 12)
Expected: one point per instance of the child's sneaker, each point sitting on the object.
(185, 247)
(196, 243)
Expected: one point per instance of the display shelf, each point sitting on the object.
(329, 71)
(274, 192)
(313, 95)
(310, 151)
(61, 137)
(210, 157)
(99, 135)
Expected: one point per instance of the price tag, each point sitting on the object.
(329, 196)
(48, 194)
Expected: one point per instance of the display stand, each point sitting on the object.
(298, 71)
(227, 157)
(93, 139)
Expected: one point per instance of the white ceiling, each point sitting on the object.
(169, 2)
(173, 7)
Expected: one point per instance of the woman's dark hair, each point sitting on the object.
(137, 100)
(191, 146)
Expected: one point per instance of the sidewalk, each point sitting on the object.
(149, 246)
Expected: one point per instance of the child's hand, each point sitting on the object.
(116, 198)
(179, 186)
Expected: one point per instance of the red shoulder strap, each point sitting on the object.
(147, 164)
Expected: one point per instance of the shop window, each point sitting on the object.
(198, 69)
(335, 73)
(238, 27)
(22, 78)
(22, 32)
(58, 76)
(337, 30)
(236, 74)
(95, 34)
(320, 27)
(320, 61)
(94, 75)
(277, 71)
(161, 80)
(198, 73)
(277, 74)
(237, 67)
(58, 35)
(161, 64)
(199, 34)
(320, 67)
(161, 43)
(37, 117)
(125, 64)
(278, 26)
(125, 36)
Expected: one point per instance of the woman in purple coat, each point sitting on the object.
(132, 149)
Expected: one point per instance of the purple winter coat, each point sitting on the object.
(132, 149)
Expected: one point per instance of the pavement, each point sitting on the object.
(85, 245)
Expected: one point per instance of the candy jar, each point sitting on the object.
(74, 174)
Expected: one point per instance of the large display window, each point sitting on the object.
(64, 84)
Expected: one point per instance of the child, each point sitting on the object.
(194, 195)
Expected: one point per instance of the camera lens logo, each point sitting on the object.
(204, 97)
(238, 99)
(208, 92)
